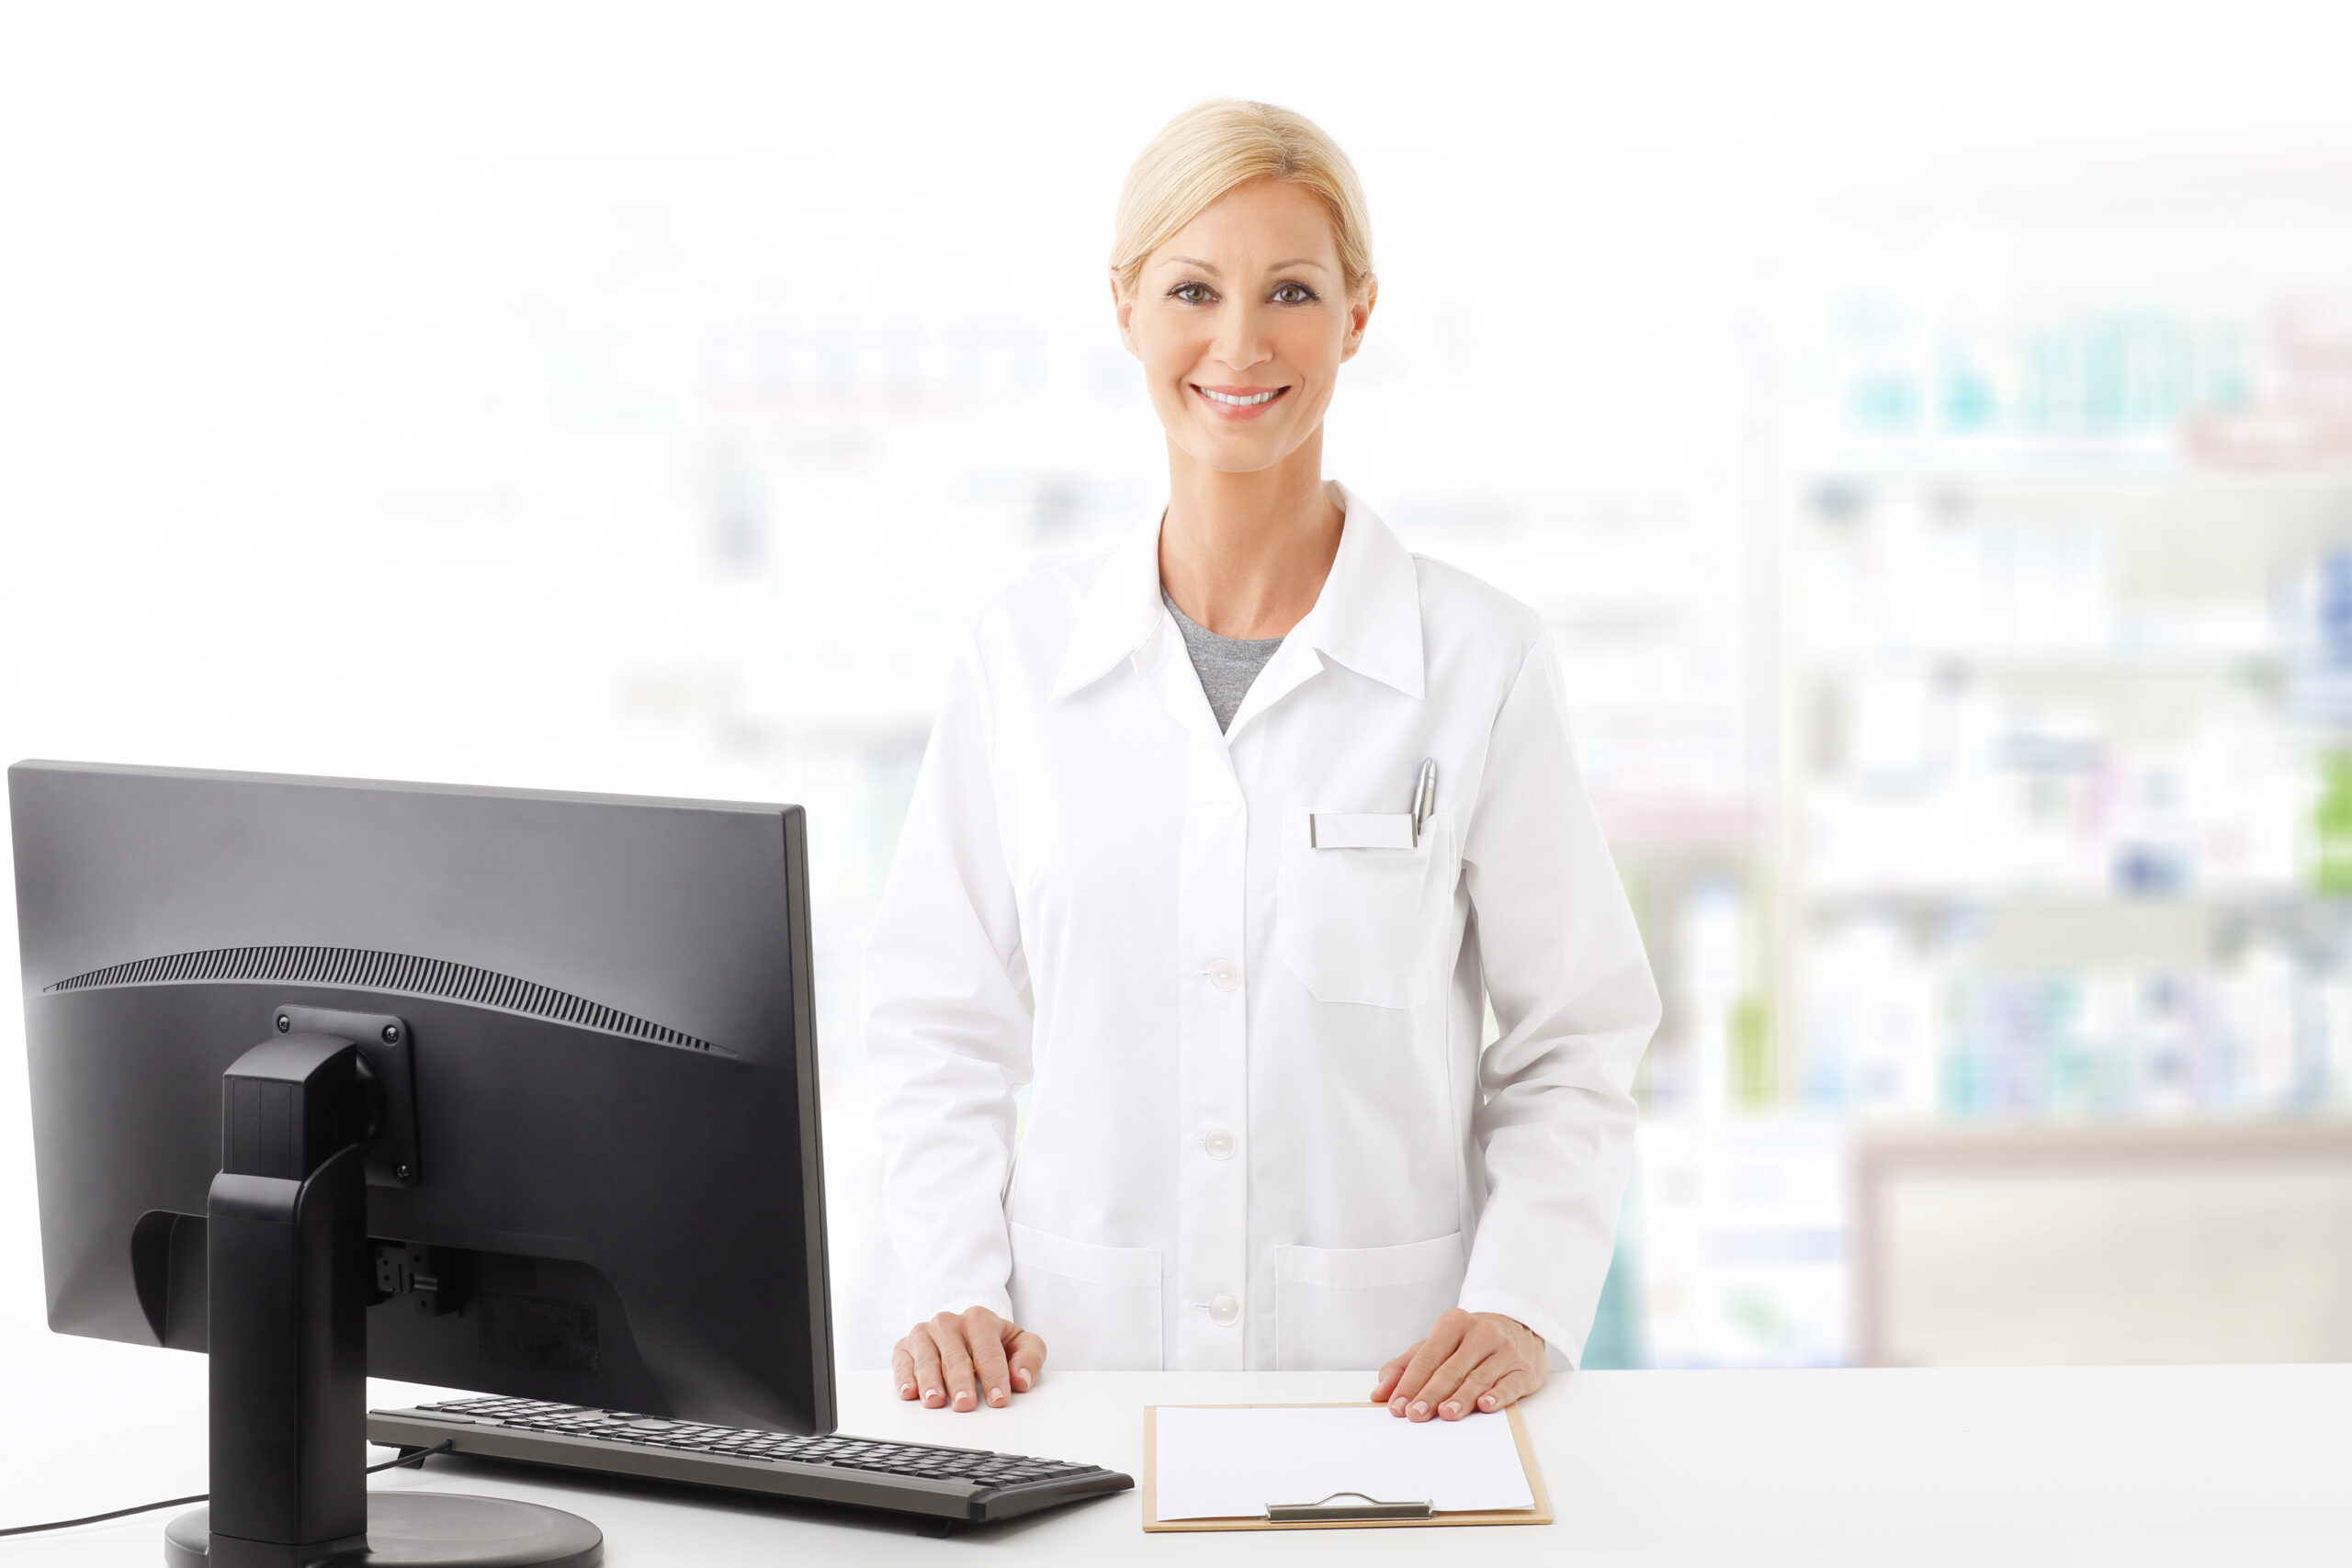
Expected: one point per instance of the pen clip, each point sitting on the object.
(1424, 796)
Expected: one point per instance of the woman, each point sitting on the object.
(1223, 844)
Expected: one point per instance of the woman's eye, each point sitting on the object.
(1193, 293)
(1293, 294)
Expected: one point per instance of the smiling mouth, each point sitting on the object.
(1240, 401)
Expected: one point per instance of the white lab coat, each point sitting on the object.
(1264, 1127)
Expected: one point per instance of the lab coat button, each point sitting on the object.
(1224, 976)
(1226, 805)
(1223, 1311)
(1219, 1143)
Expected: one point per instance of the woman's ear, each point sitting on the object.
(1359, 316)
(1124, 309)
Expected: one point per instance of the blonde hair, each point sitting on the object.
(1206, 152)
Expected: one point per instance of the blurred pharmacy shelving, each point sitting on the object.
(2066, 572)
(2049, 861)
(2069, 523)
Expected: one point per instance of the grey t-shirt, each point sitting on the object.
(1227, 665)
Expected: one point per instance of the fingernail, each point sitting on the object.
(1021, 1378)
(1448, 1410)
(1397, 1406)
(1420, 1408)
(1486, 1402)
(996, 1396)
(962, 1398)
(906, 1391)
(930, 1395)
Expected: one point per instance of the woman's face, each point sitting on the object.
(1242, 323)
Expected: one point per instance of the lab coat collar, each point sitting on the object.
(1121, 612)
(1368, 616)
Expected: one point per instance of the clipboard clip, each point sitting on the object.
(1331, 1508)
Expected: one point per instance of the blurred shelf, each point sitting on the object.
(2282, 1129)
(1681, 826)
(2088, 901)
(2160, 473)
(2018, 932)
(2063, 664)
(2230, 1133)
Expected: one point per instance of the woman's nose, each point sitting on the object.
(1240, 343)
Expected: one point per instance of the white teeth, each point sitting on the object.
(1237, 403)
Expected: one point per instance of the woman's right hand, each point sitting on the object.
(959, 1358)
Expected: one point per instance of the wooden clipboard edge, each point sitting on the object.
(1541, 1514)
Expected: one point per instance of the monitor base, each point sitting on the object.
(418, 1529)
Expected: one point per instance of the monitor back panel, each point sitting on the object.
(607, 1001)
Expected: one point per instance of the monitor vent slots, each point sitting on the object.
(405, 974)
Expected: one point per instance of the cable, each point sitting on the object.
(419, 1456)
(447, 1445)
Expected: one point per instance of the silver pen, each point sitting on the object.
(1424, 795)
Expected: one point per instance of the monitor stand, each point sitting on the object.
(288, 1292)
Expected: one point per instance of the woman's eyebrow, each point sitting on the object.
(1214, 271)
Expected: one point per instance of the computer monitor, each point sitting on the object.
(557, 1050)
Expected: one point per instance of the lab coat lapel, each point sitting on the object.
(1121, 615)
(1123, 620)
(1294, 663)
(1166, 668)
(1368, 617)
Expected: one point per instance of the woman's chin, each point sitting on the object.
(1236, 452)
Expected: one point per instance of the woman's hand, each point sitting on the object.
(1471, 1360)
(958, 1358)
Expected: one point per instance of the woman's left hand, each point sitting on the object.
(1479, 1360)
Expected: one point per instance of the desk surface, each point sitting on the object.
(2092, 1465)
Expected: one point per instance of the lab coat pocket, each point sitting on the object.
(1351, 1309)
(1097, 1308)
(1360, 924)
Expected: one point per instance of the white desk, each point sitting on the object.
(2126, 1466)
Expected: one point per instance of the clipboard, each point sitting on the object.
(1342, 1510)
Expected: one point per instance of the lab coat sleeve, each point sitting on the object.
(947, 1019)
(1573, 995)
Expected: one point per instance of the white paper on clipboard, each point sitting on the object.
(1231, 1462)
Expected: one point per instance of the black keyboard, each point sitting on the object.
(940, 1486)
